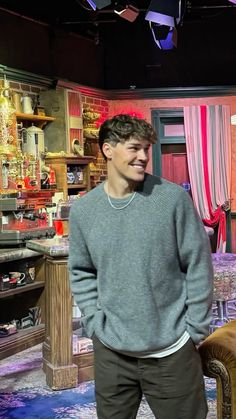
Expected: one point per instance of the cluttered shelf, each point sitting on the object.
(21, 289)
(21, 340)
(22, 300)
(72, 172)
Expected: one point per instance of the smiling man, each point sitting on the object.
(141, 274)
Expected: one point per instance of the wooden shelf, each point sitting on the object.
(15, 304)
(20, 290)
(21, 340)
(79, 160)
(77, 186)
(29, 117)
(39, 120)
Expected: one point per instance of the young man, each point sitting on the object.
(141, 274)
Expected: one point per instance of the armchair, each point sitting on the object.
(218, 354)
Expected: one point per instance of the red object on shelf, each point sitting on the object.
(58, 227)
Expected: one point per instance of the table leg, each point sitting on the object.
(58, 364)
(221, 316)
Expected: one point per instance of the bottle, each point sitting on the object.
(80, 175)
(52, 178)
(5, 170)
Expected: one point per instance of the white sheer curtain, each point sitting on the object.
(208, 143)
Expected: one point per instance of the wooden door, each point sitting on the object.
(174, 163)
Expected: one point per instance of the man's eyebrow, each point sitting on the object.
(135, 142)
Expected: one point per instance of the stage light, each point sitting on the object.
(99, 4)
(164, 12)
(164, 36)
(127, 12)
(233, 1)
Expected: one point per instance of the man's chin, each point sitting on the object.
(139, 177)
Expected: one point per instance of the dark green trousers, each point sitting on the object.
(173, 386)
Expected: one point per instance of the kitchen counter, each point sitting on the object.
(58, 246)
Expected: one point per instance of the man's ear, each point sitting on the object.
(107, 150)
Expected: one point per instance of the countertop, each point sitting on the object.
(16, 253)
(58, 246)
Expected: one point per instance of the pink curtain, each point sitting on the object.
(208, 143)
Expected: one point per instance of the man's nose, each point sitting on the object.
(143, 154)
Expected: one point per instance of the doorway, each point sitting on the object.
(169, 154)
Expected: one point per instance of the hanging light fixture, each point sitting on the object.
(164, 12)
(127, 11)
(99, 4)
(164, 36)
(164, 16)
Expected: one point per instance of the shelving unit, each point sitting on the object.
(61, 165)
(21, 340)
(15, 304)
(20, 290)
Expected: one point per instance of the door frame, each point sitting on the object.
(173, 115)
(159, 117)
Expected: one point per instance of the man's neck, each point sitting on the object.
(119, 189)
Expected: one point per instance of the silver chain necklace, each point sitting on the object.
(124, 206)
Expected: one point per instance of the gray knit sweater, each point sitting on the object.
(141, 276)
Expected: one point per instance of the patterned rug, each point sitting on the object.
(24, 393)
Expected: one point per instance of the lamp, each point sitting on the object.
(164, 36)
(127, 12)
(164, 12)
(99, 4)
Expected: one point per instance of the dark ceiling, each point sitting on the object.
(78, 16)
(205, 53)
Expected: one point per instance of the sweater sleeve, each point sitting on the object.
(82, 274)
(196, 262)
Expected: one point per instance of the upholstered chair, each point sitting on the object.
(218, 354)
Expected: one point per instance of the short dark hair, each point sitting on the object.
(121, 128)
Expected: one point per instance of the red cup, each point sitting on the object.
(58, 227)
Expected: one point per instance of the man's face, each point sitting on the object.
(129, 159)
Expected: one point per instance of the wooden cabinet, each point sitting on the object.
(66, 106)
(15, 303)
(74, 120)
(63, 166)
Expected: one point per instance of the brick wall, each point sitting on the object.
(25, 89)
